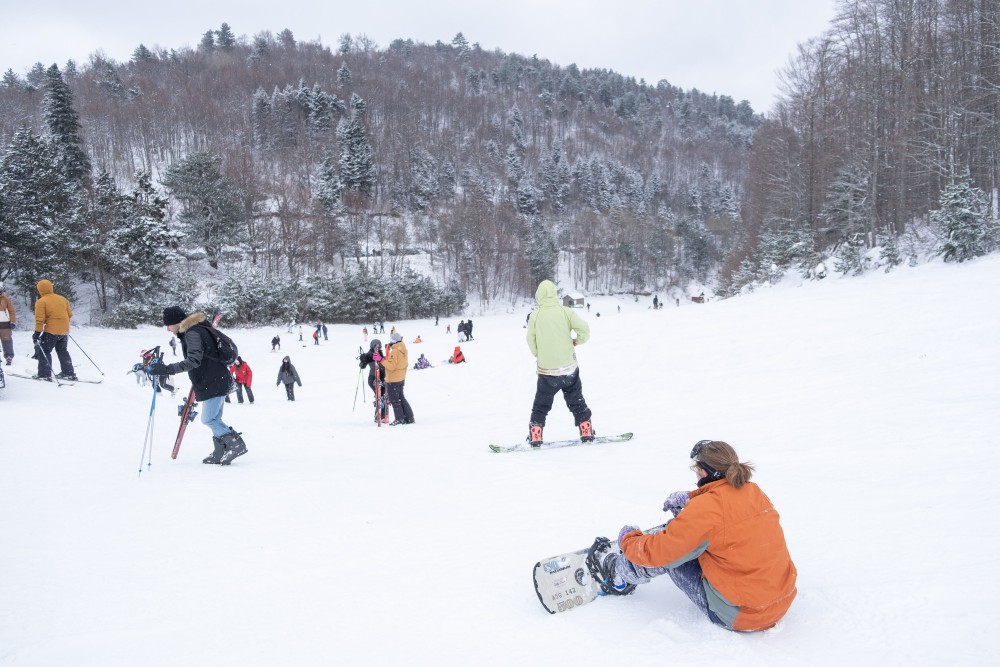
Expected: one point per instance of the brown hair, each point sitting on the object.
(720, 456)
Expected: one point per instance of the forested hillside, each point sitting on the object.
(297, 168)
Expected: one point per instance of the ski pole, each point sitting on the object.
(148, 440)
(354, 407)
(85, 353)
(48, 357)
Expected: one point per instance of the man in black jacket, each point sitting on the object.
(210, 379)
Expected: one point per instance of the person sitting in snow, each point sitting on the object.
(456, 357)
(724, 548)
(422, 363)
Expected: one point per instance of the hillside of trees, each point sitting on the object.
(311, 176)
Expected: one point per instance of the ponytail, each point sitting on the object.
(720, 456)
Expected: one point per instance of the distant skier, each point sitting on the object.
(288, 376)
(725, 549)
(550, 338)
(276, 343)
(324, 333)
(173, 345)
(244, 378)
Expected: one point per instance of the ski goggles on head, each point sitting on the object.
(713, 474)
(698, 446)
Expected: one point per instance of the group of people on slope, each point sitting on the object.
(52, 317)
(387, 377)
(724, 548)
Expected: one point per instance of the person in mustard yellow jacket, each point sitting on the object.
(8, 320)
(724, 549)
(52, 316)
(397, 360)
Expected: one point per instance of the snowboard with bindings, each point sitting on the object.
(565, 582)
(555, 444)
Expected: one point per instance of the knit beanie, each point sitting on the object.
(173, 315)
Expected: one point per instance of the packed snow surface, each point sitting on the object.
(870, 406)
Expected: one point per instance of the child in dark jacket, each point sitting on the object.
(288, 376)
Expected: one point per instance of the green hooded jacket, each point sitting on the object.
(550, 329)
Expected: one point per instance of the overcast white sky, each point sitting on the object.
(729, 47)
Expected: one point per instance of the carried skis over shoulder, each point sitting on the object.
(186, 409)
(555, 444)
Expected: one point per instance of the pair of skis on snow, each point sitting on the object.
(57, 381)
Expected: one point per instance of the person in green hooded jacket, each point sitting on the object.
(553, 332)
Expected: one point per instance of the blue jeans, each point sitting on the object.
(211, 415)
(686, 577)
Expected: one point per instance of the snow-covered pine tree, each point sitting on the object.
(226, 40)
(965, 223)
(211, 211)
(357, 160)
(343, 75)
(41, 215)
(539, 249)
(63, 128)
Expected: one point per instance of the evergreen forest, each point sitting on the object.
(282, 179)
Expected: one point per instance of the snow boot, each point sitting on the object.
(216, 455)
(535, 434)
(66, 376)
(601, 561)
(586, 431)
(234, 447)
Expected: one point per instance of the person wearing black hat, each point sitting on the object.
(210, 379)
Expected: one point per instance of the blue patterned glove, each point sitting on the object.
(676, 501)
(625, 531)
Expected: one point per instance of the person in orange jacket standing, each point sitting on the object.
(397, 361)
(724, 549)
(52, 316)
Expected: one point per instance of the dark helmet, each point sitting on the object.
(375, 343)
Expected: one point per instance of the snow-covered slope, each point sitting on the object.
(871, 408)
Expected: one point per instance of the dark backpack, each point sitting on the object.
(225, 349)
